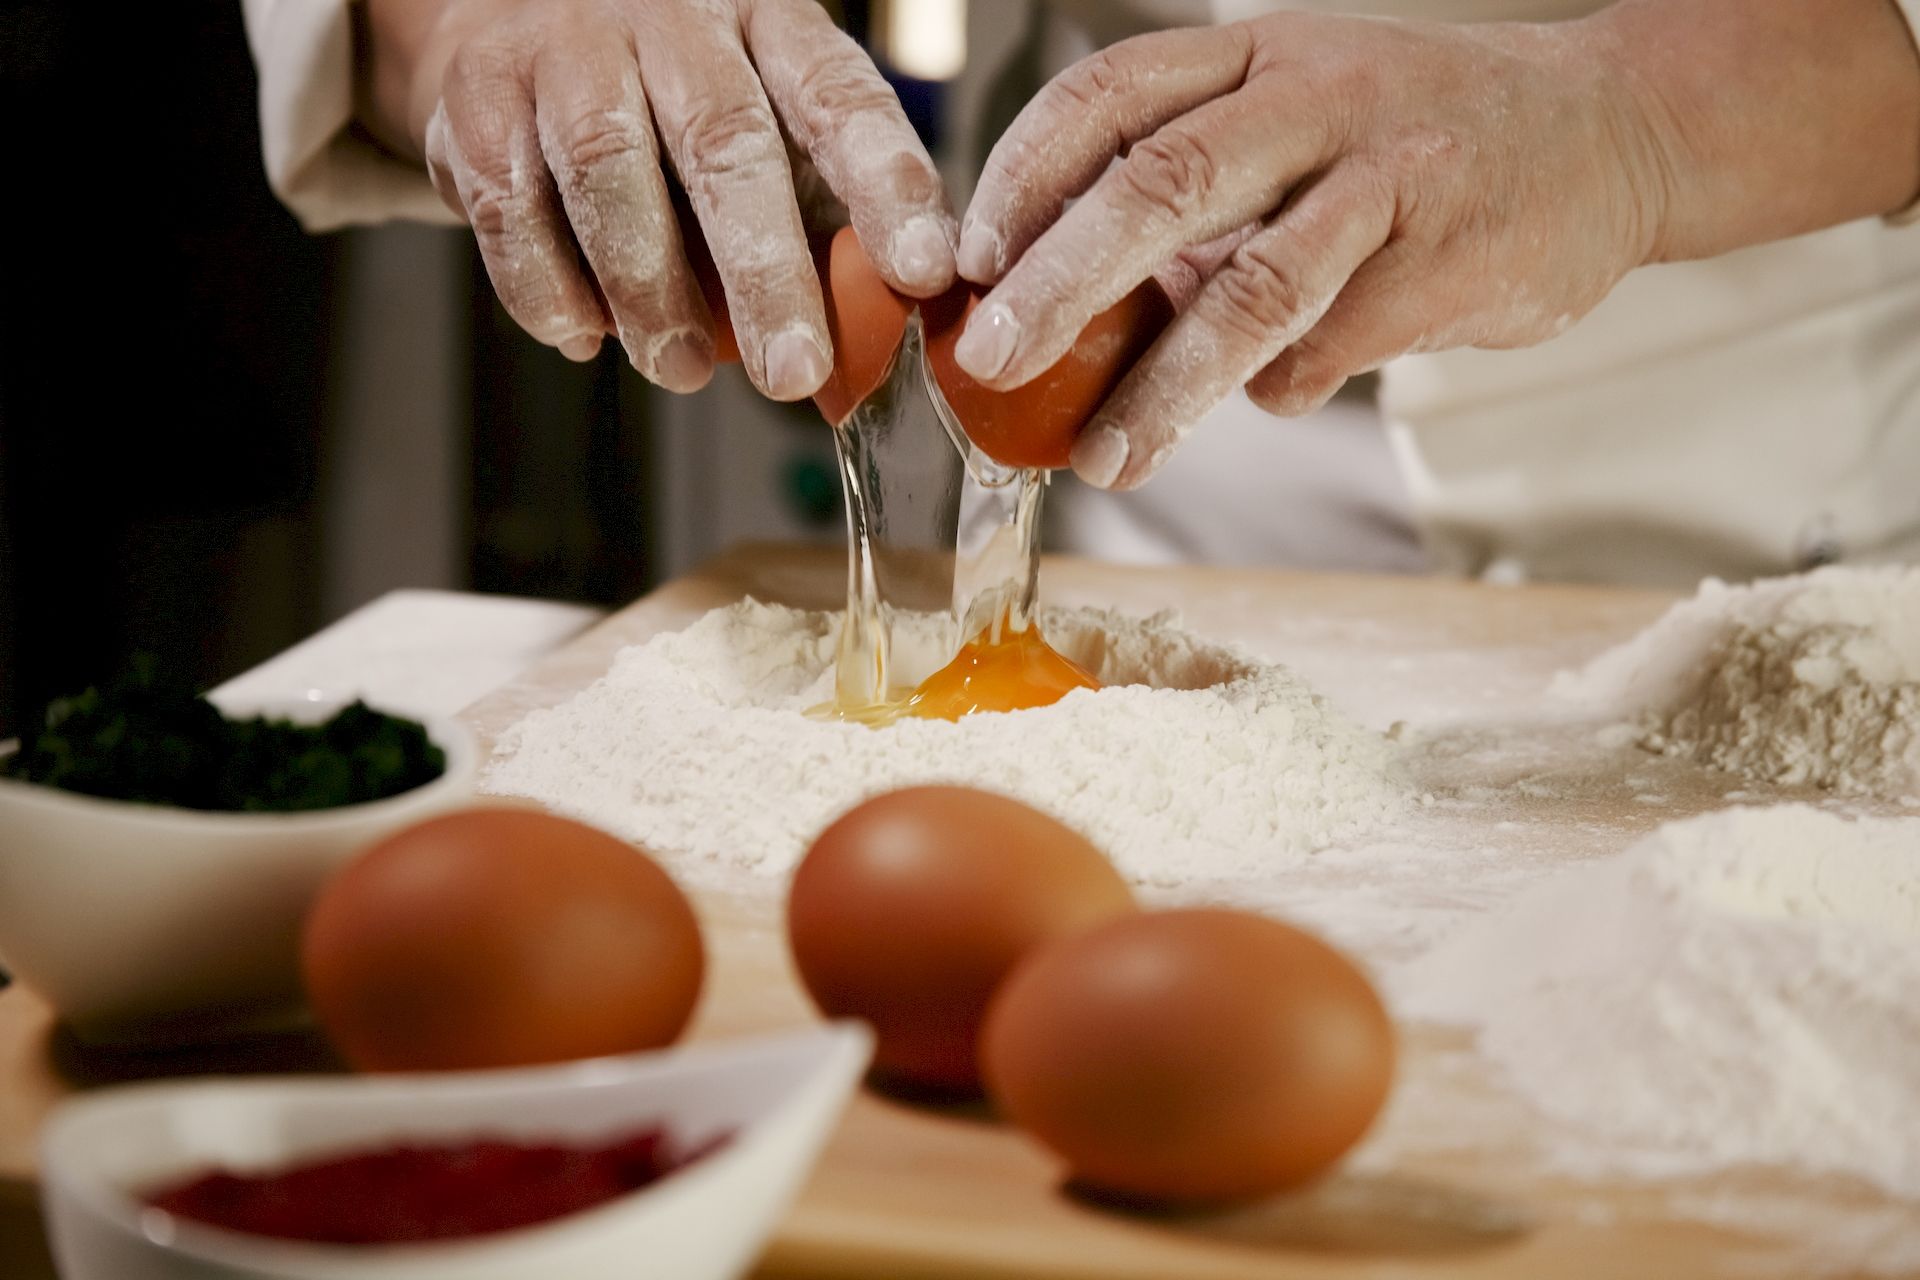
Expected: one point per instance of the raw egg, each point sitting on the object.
(1011, 672)
(866, 319)
(1034, 425)
(498, 937)
(1190, 1056)
(910, 909)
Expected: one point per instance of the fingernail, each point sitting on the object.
(582, 347)
(1100, 454)
(988, 343)
(796, 364)
(681, 364)
(979, 256)
(923, 253)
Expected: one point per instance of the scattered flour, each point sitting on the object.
(1196, 762)
(1738, 989)
(1811, 680)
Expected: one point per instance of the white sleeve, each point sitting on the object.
(1910, 10)
(320, 166)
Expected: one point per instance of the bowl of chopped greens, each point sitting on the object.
(158, 853)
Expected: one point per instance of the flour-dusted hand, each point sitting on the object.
(1334, 192)
(553, 125)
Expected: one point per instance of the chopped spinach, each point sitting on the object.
(146, 737)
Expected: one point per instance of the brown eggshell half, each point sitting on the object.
(867, 321)
(1034, 425)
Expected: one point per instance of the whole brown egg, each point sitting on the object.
(910, 909)
(496, 936)
(1190, 1056)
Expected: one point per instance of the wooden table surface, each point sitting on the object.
(911, 1193)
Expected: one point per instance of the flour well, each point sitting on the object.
(1196, 762)
(1804, 681)
(1738, 989)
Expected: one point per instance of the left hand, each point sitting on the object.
(1343, 191)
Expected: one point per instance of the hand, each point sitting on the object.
(544, 123)
(1328, 193)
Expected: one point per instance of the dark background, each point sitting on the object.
(168, 358)
(164, 337)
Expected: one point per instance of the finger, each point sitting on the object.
(492, 157)
(847, 119)
(1182, 276)
(1208, 172)
(598, 141)
(1065, 137)
(720, 132)
(1373, 321)
(439, 170)
(1273, 289)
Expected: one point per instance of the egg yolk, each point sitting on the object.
(1017, 670)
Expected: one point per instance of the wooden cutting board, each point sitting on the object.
(911, 1193)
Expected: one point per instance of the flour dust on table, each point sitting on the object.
(1740, 989)
(1812, 680)
(1195, 762)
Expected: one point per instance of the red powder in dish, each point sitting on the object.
(408, 1194)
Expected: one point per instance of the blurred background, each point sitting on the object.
(218, 433)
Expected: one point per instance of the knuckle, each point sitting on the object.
(607, 135)
(1087, 83)
(1171, 174)
(492, 210)
(836, 90)
(1260, 293)
(480, 61)
(496, 207)
(731, 135)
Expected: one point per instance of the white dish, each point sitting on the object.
(139, 921)
(779, 1097)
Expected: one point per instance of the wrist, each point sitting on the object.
(1596, 107)
(388, 37)
(1650, 152)
(1765, 118)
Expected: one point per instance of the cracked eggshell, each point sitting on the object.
(866, 319)
(1034, 425)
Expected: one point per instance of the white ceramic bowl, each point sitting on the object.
(778, 1096)
(143, 922)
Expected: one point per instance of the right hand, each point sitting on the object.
(543, 123)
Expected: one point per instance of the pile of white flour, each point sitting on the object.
(1196, 762)
(1811, 680)
(1741, 988)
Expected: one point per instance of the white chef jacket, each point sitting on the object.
(1749, 414)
